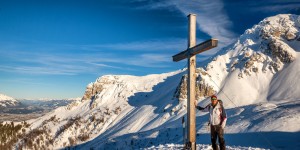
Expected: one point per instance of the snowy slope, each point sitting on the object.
(199, 147)
(263, 125)
(108, 107)
(256, 77)
(6, 101)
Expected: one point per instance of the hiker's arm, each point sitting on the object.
(200, 108)
(224, 118)
(204, 109)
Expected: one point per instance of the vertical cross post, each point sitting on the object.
(191, 92)
(190, 53)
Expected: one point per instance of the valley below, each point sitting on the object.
(30, 109)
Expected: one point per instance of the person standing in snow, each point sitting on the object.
(217, 121)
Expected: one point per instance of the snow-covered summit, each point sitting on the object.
(5, 97)
(6, 101)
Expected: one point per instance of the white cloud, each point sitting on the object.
(211, 18)
(48, 70)
(158, 58)
(150, 60)
(23, 80)
(151, 45)
(84, 62)
(276, 8)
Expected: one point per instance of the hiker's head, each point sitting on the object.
(214, 100)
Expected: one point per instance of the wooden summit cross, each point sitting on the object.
(190, 54)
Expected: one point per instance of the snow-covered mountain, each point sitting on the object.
(261, 66)
(256, 77)
(7, 101)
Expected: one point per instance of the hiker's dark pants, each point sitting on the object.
(217, 131)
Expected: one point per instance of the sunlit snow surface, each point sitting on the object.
(199, 147)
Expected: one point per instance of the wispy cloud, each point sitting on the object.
(104, 65)
(151, 60)
(46, 70)
(53, 62)
(211, 18)
(23, 80)
(277, 7)
(150, 45)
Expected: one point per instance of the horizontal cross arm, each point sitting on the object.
(180, 56)
(204, 46)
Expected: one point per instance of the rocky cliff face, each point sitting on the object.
(202, 88)
(95, 87)
(275, 39)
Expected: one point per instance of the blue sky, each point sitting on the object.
(53, 49)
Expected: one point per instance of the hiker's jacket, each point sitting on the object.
(217, 114)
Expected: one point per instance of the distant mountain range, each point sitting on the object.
(51, 99)
(10, 105)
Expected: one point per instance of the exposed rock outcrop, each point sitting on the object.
(97, 87)
(203, 89)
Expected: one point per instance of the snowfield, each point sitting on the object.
(259, 126)
(257, 78)
(199, 147)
